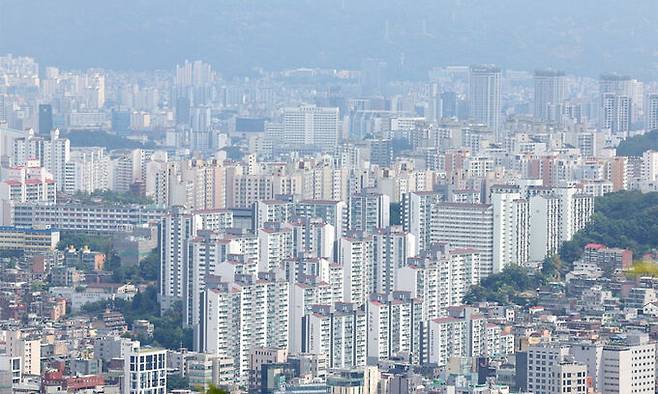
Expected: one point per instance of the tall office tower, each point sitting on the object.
(391, 247)
(550, 369)
(178, 227)
(45, 119)
(275, 245)
(468, 226)
(381, 152)
(244, 313)
(511, 226)
(373, 77)
(651, 111)
(449, 104)
(338, 333)
(368, 211)
(418, 215)
(549, 95)
(440, 276)
(145, 370)
(485, 96)
(205, 253)
(311, 125)
(313, 238)
(358, 273)
(395, 324)
(616, 112)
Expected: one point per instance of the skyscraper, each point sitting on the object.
(549, 94)
(45, 119)
(484, 96)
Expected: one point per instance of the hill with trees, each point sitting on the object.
(637, 145)
(625, 219)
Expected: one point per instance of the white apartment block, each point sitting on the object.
(87, 171)
(308, 290)
(464, 333)
(145, 371)
(272, 211)
(358, 273)
(332, 212)
(555, 218)
(310, 125)
(391, 247)
(205, 252)
(313, 238)
(469, 226)
(511, 229)
(195, 184)
(338, 333)
(53, 153)
(440, 277)
(178, 227)
(215, 219)
(650, 166)
(394, 326)
(242, 314)
(418, 213)
(275, 245)
(368, 211)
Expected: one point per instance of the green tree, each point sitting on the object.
(514, 284)
(149, 267)
(215, 390)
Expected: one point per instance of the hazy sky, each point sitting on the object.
(580, 36)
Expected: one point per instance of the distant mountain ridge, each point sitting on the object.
(583, 37)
